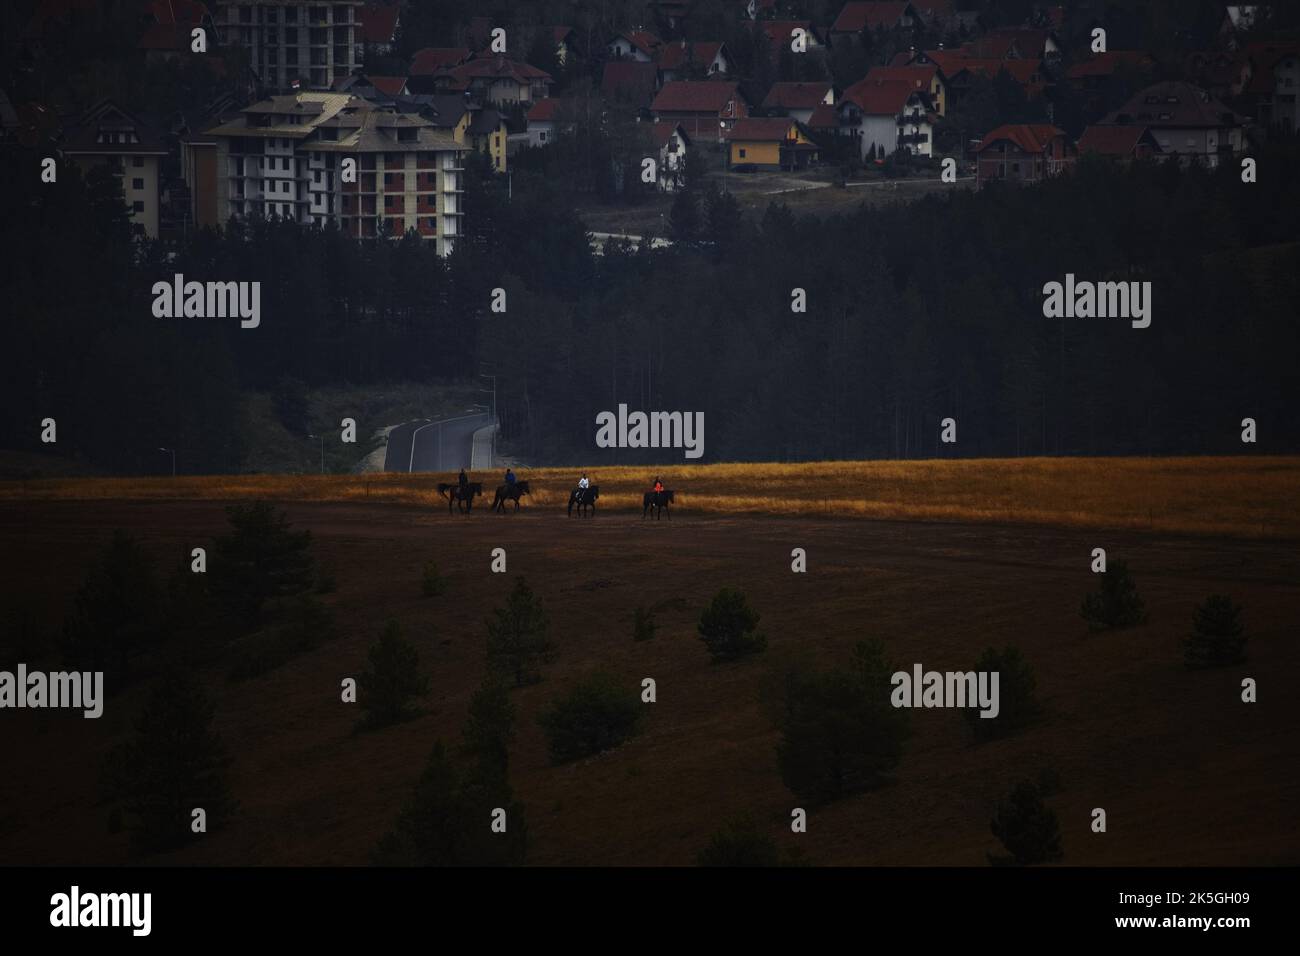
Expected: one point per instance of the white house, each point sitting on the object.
(673, 144)
(637, 45)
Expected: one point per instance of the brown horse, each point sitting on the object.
(509, 493)
(659, 501)
(455, 495)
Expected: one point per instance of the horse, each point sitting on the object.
(454, 495)
(509, 493)
(659, 500)
(585, 499)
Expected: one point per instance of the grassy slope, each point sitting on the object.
(1247, 496)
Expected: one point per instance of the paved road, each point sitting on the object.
(442, 446)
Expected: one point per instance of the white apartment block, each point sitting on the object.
(284, 156)
(313, 42)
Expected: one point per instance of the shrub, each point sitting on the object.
(1017, 705)
(596, 715)
(517, 643)
(260, 559)
(387, 688)
(1218, 634)
(1027, 827)
(740, 843)
(432, 583)
(174, 763)
(307, 624)
(839, 732)
(728, 627)
(643, 624)
(1116, 602)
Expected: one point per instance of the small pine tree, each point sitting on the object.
(174, 764)
(432, 582)
(594, 716)
(118, 613)
(260, 559)
(728, 626)
(517, 643)
(740, 843)
(643, 624)
(1218, 635)
(1027, 827)
(389, 685)
(1116, 602)
(839, 732)
(1017, 705)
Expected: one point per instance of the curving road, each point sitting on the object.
(443, 446)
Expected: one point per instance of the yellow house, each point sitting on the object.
(773, 143)
(487, 134)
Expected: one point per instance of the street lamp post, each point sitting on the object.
(172, 451)
(322, 451)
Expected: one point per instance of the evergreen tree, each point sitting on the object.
(1017, 705)
(517, 641)
(259, 560)
(387, 688)
(174, 764)
(728, 627)
(1027, 827)
(595, 715)
(1116, 603)
(1218, 634)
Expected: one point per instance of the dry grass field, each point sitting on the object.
(1188, 774)
(1245, 497)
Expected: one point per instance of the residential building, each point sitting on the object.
(107, 135)
(703, 108)
(566, 44)
(855, 18)
(780, 35)
(684, 60)
(1186, 121)
(882, 115)
(925, 77)
(1274, 82)
(377, 28)
(1023, 153)
(488, 134)
(1122, 144)
(283, 157)
(673, 144)
(639, 45)
(771, 143)
(495, 80)
(541, 121)
(799, 100)
(305, 44)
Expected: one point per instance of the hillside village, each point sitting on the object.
(264, 102)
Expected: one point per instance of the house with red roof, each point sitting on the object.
(566, 44)
(377, 27)
(704, 108)
(883, 115)
(496, 80)
(544, 120)
(686, 59)
(639, 45)
(856, 18)
(798, 100)
(924, 76)
(771, 143)
(1274, 82)
(1186, 121)
(1022, 153)
(630, 82)
(1120, 144)
(1090, 78)
(169, 33)
(434, 59)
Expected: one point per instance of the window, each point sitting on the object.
(388, 202)
(742, 152)
(137, 161)
(137, 184)
(137, 206)
(542, 136)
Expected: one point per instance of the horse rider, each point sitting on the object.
(463, 481)
(583, 484)
(510, 478)
(659, 485)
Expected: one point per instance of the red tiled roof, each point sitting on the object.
(1111, 140)
(498, 66)
(629, 80)
(1104, 64)
(1030, 137)
(431, 59)
(561, 34)
(1029, 41)
(378, 22)
(675, 55)
(920, 75)
(694, 96)
(643, 40)
(856, 16)
(796, 95)
(660, 133)
(1174, 104)
(879, 97)
(388, 85)
(543, 111)
(768, 129)
(823, 117)
(988, 48)
(1263, 58)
